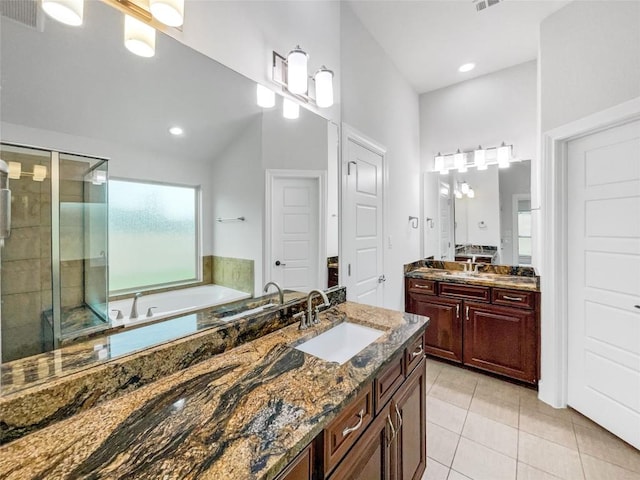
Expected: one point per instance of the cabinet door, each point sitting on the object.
(501, 340)
(443, 337)
(409, 406)
(370, 457)
(301, 468)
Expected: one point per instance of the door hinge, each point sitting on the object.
(382, 278)
(349, 269)
(349, 166)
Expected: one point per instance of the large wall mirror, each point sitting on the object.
(484, 216)
(200, 179)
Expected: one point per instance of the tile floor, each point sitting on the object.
(481, 428)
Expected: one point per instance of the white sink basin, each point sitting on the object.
(341, 342)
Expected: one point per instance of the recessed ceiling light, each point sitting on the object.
(176, 131)
(467, 67)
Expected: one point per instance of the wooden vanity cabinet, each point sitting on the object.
(492, 328)
(302, 467)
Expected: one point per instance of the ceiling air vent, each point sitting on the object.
(484, 4)
(22, 11)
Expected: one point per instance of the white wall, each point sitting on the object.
(487, 110)
(589, 59)
(380, 103)
(243, 35)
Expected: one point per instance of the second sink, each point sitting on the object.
(340, 343)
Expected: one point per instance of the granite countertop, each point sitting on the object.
(243, 414)
(485, 279)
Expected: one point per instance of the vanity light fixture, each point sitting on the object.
(464, 187)
(504, 155)
(458, 160)
(177, 131)
(467, 67)
(480, 158)
(291, 74)
(458, 194)
(290, 109)
(297, 60)
(324, 87)
(139, 38)
(439, 164)
(39, 173)
(15, 170)
(169, 12)
(471, 193)
(265, 97)
(69, 12)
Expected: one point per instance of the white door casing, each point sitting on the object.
(362, 256)
(604, 278)
(295, 229)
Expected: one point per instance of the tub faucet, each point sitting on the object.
(134, 306)
(280, 292)
(313, 316)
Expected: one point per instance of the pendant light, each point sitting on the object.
(297, 71)
(480, 158)
(324, 87)
(169, 12)
(139, 38)
(69, 12)
(264, 97)
(290, 109)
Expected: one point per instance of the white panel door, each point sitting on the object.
(295, 233)
(604, 278)
(363, 234)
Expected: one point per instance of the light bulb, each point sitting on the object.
(297, 71)
(15, 170)
(324, 87)
(464, 187)
(177, 131)
(169, 12)
(265, 98)
(458, 160)
(504, 155)
(39, 173)
(69, 12)
(471, 193)
(480, 158)
(438, 162)
(458, 194)
(139, 38)
(290, 109)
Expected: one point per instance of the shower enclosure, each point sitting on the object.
(53, 266)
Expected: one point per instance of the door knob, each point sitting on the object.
(382, 279)
(278, 263)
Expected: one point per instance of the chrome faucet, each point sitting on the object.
(313, 315)
(280, 292)
(134, 306)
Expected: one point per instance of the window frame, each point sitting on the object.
(198, 238)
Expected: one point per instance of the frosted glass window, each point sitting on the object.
(153, 235)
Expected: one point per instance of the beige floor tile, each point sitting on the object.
(527, 472)
(481, 463)
(595, 469)
(453, 475)
(603, 445)
(456, 393)
(532, 404)
(441, 444)
(495, 409)
(444, 414)
(493, 388)
(549, 428)
(435, 471)
(550, 457)
(578, 419)
(495, 435)
(459, 375)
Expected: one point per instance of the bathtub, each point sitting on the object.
(174, 302)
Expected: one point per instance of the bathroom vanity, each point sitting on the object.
(259, 408)
(488, 319)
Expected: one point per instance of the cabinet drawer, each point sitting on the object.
(343, 432)
(427, 287)
(414, 353)
(388, 381)
(513, 298)
(456, 290)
